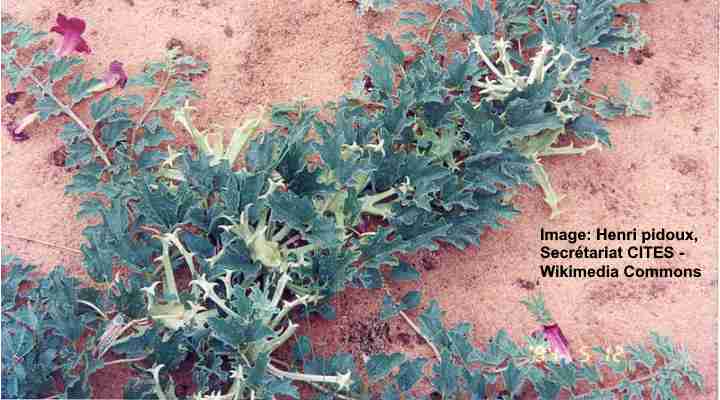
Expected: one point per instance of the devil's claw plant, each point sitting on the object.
(209, 255)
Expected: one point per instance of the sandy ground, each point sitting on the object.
(662, 170)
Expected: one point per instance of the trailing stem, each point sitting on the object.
(66, 110)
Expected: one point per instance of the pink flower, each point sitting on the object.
(72, 30)
(558, 343)
(115, 75)
(17, 131)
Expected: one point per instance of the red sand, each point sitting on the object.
(662, 170)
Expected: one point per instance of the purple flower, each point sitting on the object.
(115, 75)
(557, 341)
(17, 131)
(12, 97)
(71, 29)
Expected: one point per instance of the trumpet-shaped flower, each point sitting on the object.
(71, 30)
(114, 76)
(17, 130)
(557, 341)
(12, 97)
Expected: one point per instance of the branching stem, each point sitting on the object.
(125, 360)
(434, 26)
(148, 110)
(417, 329)
(67, 111)
(596, 94)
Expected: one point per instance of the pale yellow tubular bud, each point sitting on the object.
(537, 72)
(240, 137)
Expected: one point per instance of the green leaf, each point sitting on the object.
(663, 345)
(635, 105)
(86, 180)
(71, 132)
(389, 309)
(513, 378)
(18, 341)
(410, 373)
(41, 57)
(481, 21)
(103, 108)
(302, 349)
(410, 300)
(47, 107)
(144, 80)
(632, 390)
(14, 73)
(585, 127)
(547, 390)
(278, 387)
(28, 317)
(26, 37)
(176, 95)
(382, 76)
(639, 354)
(387, 50)
(590, 373)
(563, 373)
(535, 305)
(403, 271)
(380, 365)
(79, 89)
(257, 372)
(97, 262)
(79, 154)
(114, 132)
(445, 379)
(391, 393)
(289, 208)
(236, 333)
(379, 251)
(61, 68)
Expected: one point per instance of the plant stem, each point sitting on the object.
(69, 112)
(596, 94)
(503, 369)
(280, 235)
(434, 26)
(57, 246)
(417, 329)
(126, 360)
(148, 110)
(95, 308)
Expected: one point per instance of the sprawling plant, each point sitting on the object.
(207, 254)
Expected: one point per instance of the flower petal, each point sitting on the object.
(16, 136)
(71, 29)
(12, 97)
(558, 343)
(72, 24)
(82, 46)
(116, 75)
